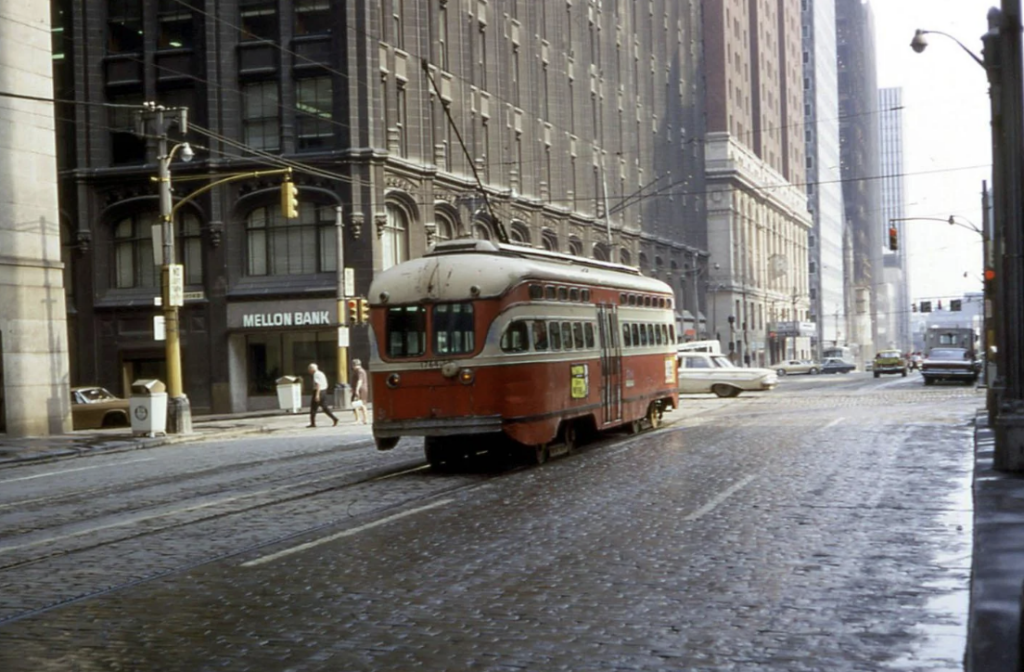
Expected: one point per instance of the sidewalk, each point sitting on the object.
(204, 428)
(994, 635)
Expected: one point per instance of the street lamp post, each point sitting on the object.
(1002, 65)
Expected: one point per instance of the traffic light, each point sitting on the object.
(913, 307)
(893, 239)
(954, 304)
(364, 311)
(353, 311)
(926, 306)
(289, 200)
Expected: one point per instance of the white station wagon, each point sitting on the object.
(702, 372)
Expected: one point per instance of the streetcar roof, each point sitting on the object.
(451, 271)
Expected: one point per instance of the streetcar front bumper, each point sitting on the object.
(454, 426)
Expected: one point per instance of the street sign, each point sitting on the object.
(350, 282)
(175, 285)
(342, 337)
(159, 333)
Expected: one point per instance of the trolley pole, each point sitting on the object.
(342, 398)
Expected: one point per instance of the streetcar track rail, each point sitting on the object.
(382, 512)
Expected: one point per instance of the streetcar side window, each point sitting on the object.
(406, 330)
(577, 334)
(588, 332)
(664, 334)
(574, 294)
(453, 329)
(585, 295)
(540, 335)
(516, 337)
(563, 294)
(549, 292)
(627, 340)
(536, 292)
(671, 333)
(650, 334)
(636, 335)
(567, 335)
(555, 335)
(622, 299)
(643, 334)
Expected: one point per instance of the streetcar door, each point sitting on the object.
(611, 363)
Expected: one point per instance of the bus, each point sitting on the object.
(949, 337)
(479, 341)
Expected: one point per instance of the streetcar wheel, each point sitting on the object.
(636, 426)
(569, 437)
(654, 415)
(386, 442)
(435, 453)
(541, 453)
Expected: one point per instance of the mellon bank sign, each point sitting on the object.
(306, 313)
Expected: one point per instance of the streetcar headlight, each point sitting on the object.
(393, 380)
(466, 376)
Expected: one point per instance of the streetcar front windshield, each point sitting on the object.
(453, 329)
(406, 328)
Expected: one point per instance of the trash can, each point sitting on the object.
(147, 406)
(289, 393)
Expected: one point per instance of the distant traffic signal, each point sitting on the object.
(364, 311)
(926, 306)
(954, 304)
(893, 239)
(353, 311)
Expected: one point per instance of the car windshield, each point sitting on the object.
(948, 354)
(888, 354)
(722, 362)
(94, 395)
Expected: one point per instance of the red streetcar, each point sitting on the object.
(477, 338)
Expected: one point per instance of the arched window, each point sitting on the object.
(443, 228)
(550, 241)
(601, 252)
(133, 250)
(394, 242)
(481, 231)
(575, 247)
(643, 262)
(519, 234)
(279, 246)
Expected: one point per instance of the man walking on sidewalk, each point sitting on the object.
(317, 400)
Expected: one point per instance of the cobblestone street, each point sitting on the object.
(822, 526)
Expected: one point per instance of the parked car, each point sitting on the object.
(701, 372)
(836, 365)
(949, 364)
(795, 366)
(890, 361)
(95, 407)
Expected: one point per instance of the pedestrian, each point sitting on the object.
(360, 390)
(317, 400)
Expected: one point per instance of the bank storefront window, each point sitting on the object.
(273, 355)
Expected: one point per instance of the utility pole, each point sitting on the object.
(156, 120)
(342, 399)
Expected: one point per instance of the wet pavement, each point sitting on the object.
(804, 530)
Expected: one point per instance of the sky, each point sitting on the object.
(947, 138)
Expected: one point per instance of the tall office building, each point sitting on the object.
(861, 166)
(583, 123)
(34, 396)
(893, 307)
(758, 222)
(824, 183)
